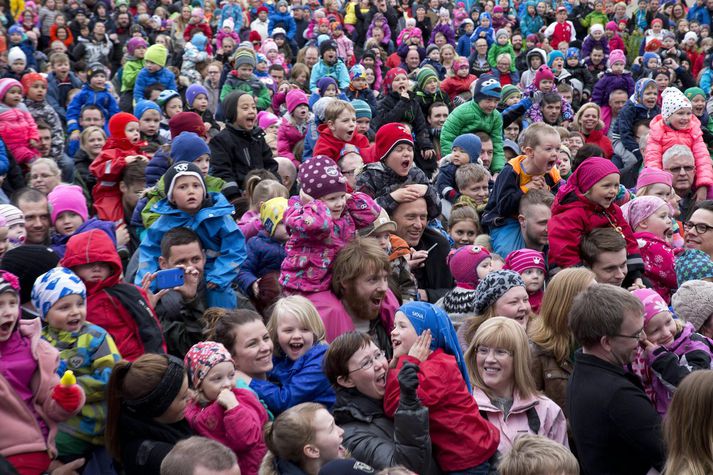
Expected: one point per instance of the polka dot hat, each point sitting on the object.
(321, 176)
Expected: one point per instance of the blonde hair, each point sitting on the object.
(505, 333)
(564, 133)
(463, 212)
(260, 190)
(51, 164)
(471, 173)
(84, 136)
(304, 311)
(688, 426)
(335, 109)
(537, 455)
(448, 46)
(288, 434)
(551, 331)
(582, 109)
(532, 135)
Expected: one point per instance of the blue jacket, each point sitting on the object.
(29, 51)
(4, 160)
(283, 20)
(338, 72)
(294, 382)
(146, 78)
(59, 241)
(221, 238)
(446, 182)
(232, 11)
(700, 14)
(57, 93)
(87, 95)
(463, 46)
(623, 128)
(265, 255)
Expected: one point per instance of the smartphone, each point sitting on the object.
(169, 278)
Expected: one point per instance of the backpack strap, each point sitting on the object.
(533, 420)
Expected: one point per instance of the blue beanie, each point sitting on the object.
(648, 56)
(199, 40)
(486, 86)
(554, 54)
(324, 83)
(362, 109)
(16, 30)
(471, 144)
(193, 91)
(187, 147)
(572, 52)
(143, 105)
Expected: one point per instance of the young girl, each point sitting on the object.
(171, 104)
(530, 264)
(301, 440)
(36, 401)
(463, 226)
(269, 123)
(468, 264)
(595, 38)
(218, 410)
(297, 333)
(88, 350)
(320, 222)
(461, 79)
(197, 100)
(17, 127)
(544, 82)
(259, 190)
(423, 335)
(616, 77)
(677, 125)
(35, 88)
(293, 126)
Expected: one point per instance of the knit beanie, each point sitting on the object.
(67, 198)
(494, 286)
(320, 107)
(143, 105)
(522, 259)
(254, 37)
(463, 263)
(12, 215)
(672, 100)
(244, 56)
(502, 32)
(471, 144)
(118, 123)
(362, 109)
(95, 69)
(596, 27)
(611, 26)
(648, 56)
(388, 137)
(637, 211)
(135, 43)
(653, 45)
(460, 62)
(321, 176)
(324, 83)
(176, 171)
(652, 302)
(271, 213)
(260, 58)
(16, 54)
(193, 91)
(28, 262)
(640, 87)
(295, 98)
(693, 302)
(587, 174)
(6, 84)
(230, 23)
(268, 45)
(382, 223)
(357, 72)
(690, 35)
(651, 176)
(326, 46)
(53, 285)
(266, 119)
(277, 31)
(486, 87)
(554, 54)
(391, 75)
(188, 147)
(157, 54)
(543, 72)
(201, 358)
(165, 96)
(15, 29)
(616, 56)
(186, 122)
(29, 79)
(508, 91)
(690, 93)
(693, 264)
(424, 76)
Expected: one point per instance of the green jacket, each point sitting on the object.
(253, 86)
(470, 118)
(496, 50)
(156, 194)
(593, 18)
(129, 72)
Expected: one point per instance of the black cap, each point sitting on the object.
(326, 46)
(28, 262)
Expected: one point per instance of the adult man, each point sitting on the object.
(699, 228)
(287, 173)
(533, 216)
(428, 261)
(437, 115)
(486, 149)
(89, 115)
(679, 161)
(614, 424)
(200, 456)
(360, 298)
(551, 109)
(603, 251)
(617, 101)
(65, 163)
(35, 207)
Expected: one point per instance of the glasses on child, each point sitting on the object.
(498, 353)
(701, 228)
(379, 355)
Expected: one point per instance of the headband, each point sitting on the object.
(161, 397)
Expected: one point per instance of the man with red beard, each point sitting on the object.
(360, 298)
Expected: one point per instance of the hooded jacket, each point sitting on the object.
(608, 83)
(623, 127)
(59, 241)
(528, 76)
(17, 128)
(470, 118)
(145, 78)
(88, 95)
(338, 71)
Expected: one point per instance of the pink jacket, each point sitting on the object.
(17, 128)
(658, 258)
(551, 418)
(287, 137)
(240, 428)
(662, 137)
(249, 224)
(20, 432)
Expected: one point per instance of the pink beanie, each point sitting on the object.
(652, 302)
(295, 98)
(6, 84)
(67, 198)
(638, 210)
(266, 119)
(463, 263)
(587, 174)
(543, 72)
(611, 26)
(651, 176)
(616, 56)
(523, 259)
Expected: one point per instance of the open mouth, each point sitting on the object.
(491, 370)
(406, 163)
(74, 322)
(7, 326)
(381, 379)
(376, 301)
(296, 347)
(395, 343)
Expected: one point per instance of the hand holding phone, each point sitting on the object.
(169, 278)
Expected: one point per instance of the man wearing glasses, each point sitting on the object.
(615, 426)
(679, 161)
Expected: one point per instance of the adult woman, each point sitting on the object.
(448, 55)
(179, 25)
(588, 122)
(552, 344)
(44, 175)
(500, 293)
(91, 142)
(499, 368)
(688, 427)
(357, 368)
(145, 401)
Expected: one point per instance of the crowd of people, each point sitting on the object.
(356, 236)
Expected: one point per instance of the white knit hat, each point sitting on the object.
(693, 302)
(691, 35)
(16, 54)
(672, 99)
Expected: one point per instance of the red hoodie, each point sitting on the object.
(327, 144)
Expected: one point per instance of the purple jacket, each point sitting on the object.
(610, 82)
(447, 31)
(589, 43)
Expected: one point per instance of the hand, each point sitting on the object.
(537, 183)
(74, 135)
(537, 97)
(227, 399)
(256, 288)
(68, 398)
(146, 285)
(211, 285)
(404, 92)
(131, 159)
(636, 285)
(405, 194)
(649, 347)
(419, 188)
(416, 259)
(408, 382)
(122, 235)
(701, 194)
(428, 154)
(422, 348)
(34, 144)
(67, 468)
(113, 37)
(207, 126)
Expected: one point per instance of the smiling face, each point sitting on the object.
(464, 233)
(67, 314)
(327, 436)
(252, 350)
(514, 304)
(661, 329)
(368, 379)
(404, 334)
(411, 219)
(43, 178)
(365, 294)
(247, 112)
(589, 120)
(660, 223)
(681, 119)
(604, 191)
(336, 202)
(477, 190)
(9, 314)
(293, 336)
(94, 143)
(495, 366)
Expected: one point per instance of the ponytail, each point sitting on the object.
(114, 402)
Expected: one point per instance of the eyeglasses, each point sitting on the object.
(379, 355)
(635, 336)
(350, 172)
(677, 170)
(701, 228)
(499, 353)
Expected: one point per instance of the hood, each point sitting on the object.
(533, 52)
(89, 247)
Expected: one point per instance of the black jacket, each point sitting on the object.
(181, 320)
(435, 276)
(614, 424)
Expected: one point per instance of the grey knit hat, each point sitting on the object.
(693, 302)
(494, 286)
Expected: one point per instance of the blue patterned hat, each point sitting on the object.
(52, 286)
(693, 264)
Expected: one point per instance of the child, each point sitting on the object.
(484, 30)
(15, 222)
(242, 79)
(473, 182)
(149, 115)
(433, 58)
(616, 77)
(428, 90)
(536, 454)
(197, 101)
(154, 71)
(502, 45)
(579, 71)
(544, 82)
(444, 387)
(339, 129)
(218, 410)
(17, 60)
(135, 51)
(463, 226)
(171, 104)
(258, 190)
(363, 118)
(650, 219)
(320, 222)
(615, 42)
(345, 46)
(468, 264)
(677, 125)
(535, 58)
(466, 149)
(593, 39)
(60, 81)
(584, 203)
(329, 64)
(86, 349)
(562, 30)
(293, 126)
(94, 91)
(298, 334)
(192, 57)
(18, 129)
(530, 264)
(35, 88)
(461, 79)
(121, 309)
(36, 401)
(227, 29)
(535, 169)
(189, 204)
(358, 87)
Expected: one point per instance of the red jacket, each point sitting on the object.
(597, 137)
(102, 309)
(461, 437)
(327, 144)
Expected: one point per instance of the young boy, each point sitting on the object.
(538, 455)
(35, 89)
(329, 65)
(149, 115)
(339, 129)
(466, 149)
(154, 71)
(535, 169)
(59, 82)
(363, 118)
(95, 91)
(242, 79)
(122, 309)
(474, 182)
(135, 51)
(189, 204)
(502, 45)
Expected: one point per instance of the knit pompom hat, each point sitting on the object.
(543, 73)
(201, 358)
(652, 302)
(53, 285)
(388, 137)
(693, 302)
(193, 91)
(6, 84)
(463, 264)
(186, 122)
(522, 259)
(693, 264)
(295, 98)
(118, 123)
(156, 54)
(650, 176)
(672, 100)
(616, 56)
(637, 211)
(424, 76)
(321, 176)
(188, 147)
(65, 198)
(31, 78)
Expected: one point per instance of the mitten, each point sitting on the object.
(67, 393)
(408, 384)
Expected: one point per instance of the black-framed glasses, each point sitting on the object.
(635, 336)
(379, 355)
(701, 228)
(677, 170)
